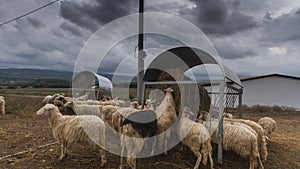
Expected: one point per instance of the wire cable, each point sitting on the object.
(28, 13)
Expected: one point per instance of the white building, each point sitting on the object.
(273, 89)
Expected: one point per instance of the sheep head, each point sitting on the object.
(170, 90)
(69, 104)
(186, 112)
(46, 110)
(203, 115)
(61, 98)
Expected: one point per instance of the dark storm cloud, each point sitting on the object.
(283, 28)
(35, 23)
(221, 17)
(234, 51)
(91, 15)
(71, 29)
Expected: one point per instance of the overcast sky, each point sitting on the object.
(253, 37)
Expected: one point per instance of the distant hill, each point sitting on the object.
(25, 77)
(33, 74)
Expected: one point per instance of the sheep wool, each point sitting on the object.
(136, 126)
(166, 115)
(2, 105)
(67, 130)
(268, 124)
(50, 99)
(241, 139)
(84, 109)
(196, 137)
(260, 133)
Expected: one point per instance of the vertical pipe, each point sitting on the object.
(240, 103)
(220, 127)
(141, 53)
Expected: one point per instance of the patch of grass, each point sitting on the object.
(3, 133)
(268, 109)
(24, 106)
(35, 91)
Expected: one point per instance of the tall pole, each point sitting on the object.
(141, 53)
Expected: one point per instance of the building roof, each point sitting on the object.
(270, 75)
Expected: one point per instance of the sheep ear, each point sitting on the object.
(48, 106)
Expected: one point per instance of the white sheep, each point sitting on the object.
(166, 115)
(83, 97)
(202, 117)
(107, 112)
(137, 126)
(228, 115)
(119, 116)
(117, 102)
(84, 109)
(260, 133)
(196, 137)
(67, 130)
(93, 102)
(50, 98)
(134, 104)
(2, 105)
(269, 125)
(241, 139)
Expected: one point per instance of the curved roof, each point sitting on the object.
(90, 80)
(187, 58)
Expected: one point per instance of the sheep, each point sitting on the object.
(241, 139)
(50, 98)
(149, 104)
(2, 105)
(93, 102)
(119, 116)
(269, 125)
(228, 115)
(134, 104)
(196, 137)
(260, 133)
(117, 102)
(83, 97)
(88, 129)
(166, 115)
(84, 109)
(136, 127)
(107, 112)
(203, 117)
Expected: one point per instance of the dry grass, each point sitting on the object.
(21, 130)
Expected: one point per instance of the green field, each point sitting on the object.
(36, 91)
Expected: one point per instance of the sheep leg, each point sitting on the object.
(211, 162)
(102, 153)
(260, 163)
(199, 156)
(63, 151)
(167, 136)
(153, 147)
(253, 162)
(122, 154)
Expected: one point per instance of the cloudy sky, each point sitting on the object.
(253, 37)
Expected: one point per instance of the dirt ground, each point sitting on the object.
(22, 130)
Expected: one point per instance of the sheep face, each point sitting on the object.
(46, 110)
(203, 115)
(70, 104)
(169, 90)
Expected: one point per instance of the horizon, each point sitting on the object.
(252, 38)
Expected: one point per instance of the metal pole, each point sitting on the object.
(240, 103)
(220, 127)
(141, 53)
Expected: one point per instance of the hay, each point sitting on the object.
(188, 91)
